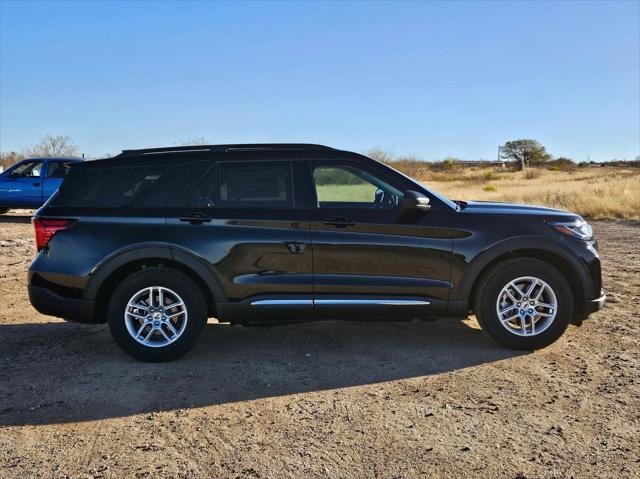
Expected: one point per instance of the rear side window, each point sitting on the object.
(107, 187)
(56, 169)
(261, 184)
(205, 194)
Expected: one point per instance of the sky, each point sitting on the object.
(430, 79)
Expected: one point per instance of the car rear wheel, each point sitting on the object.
(524, 303)
(157, 314)
(4, 210)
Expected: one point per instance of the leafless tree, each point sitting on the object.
(195, 141)
(380, 154)
(8, 159)
(51, 146)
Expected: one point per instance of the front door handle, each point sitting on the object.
(36, 184)
(195, 218)
(339, 222)
(296, 247)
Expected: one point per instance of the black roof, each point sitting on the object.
(181, 154)
(224, 148)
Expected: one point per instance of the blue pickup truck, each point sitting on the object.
(29, 183)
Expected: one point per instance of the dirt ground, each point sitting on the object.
(436, 399)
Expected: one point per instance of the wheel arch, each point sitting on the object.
(570, 266)
(113, 270)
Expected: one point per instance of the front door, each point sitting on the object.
(371, 255)
(241, 218)
(22, 186)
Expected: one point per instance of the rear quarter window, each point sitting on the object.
(111, 187)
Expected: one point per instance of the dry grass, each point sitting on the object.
(597, 193)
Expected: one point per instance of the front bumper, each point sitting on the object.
(47, 302)
(595, 304)
(590, 306)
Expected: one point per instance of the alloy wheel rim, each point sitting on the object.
(526, 306)
(155, 316)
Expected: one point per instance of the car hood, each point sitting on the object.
(494, 207)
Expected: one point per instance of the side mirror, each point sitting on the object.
(415, 201)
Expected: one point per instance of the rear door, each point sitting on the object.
(371, 255)
(22, 185)
(241, 218)
(55, 173)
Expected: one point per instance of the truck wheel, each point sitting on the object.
(157, 314)
(524, 303)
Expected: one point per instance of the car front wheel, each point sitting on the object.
(524, 303)
(157, 314)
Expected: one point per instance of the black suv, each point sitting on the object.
(156, 241)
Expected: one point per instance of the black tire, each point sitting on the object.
(4, 210)
(176, 281)
(500, 275)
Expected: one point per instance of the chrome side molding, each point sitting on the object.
(379, 302)
(282, 302)
(340, 302)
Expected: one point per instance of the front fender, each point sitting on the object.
(537, 244)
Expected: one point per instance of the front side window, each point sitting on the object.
(30, 169)
(258, 184)
(350, 187)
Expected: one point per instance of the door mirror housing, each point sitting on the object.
(414, 200)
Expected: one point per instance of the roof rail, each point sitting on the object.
(225, 148)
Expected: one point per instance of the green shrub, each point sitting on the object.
(450, 164)
(562, 164)
(490, 176)
(336, 176)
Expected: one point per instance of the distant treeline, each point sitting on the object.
(515, 154)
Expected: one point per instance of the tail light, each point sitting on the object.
(46, 228)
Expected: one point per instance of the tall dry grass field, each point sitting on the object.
(598, 193)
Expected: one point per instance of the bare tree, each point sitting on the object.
(380, 154)
(51, 146)
(195, 141)
(8, 159)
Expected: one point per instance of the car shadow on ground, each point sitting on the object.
(14, 219)
(63, 372)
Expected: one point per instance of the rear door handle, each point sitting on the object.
(195, 218)
(339, 222)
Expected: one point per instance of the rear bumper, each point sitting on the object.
(47, 302)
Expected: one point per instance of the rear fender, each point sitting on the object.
(153, 251)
